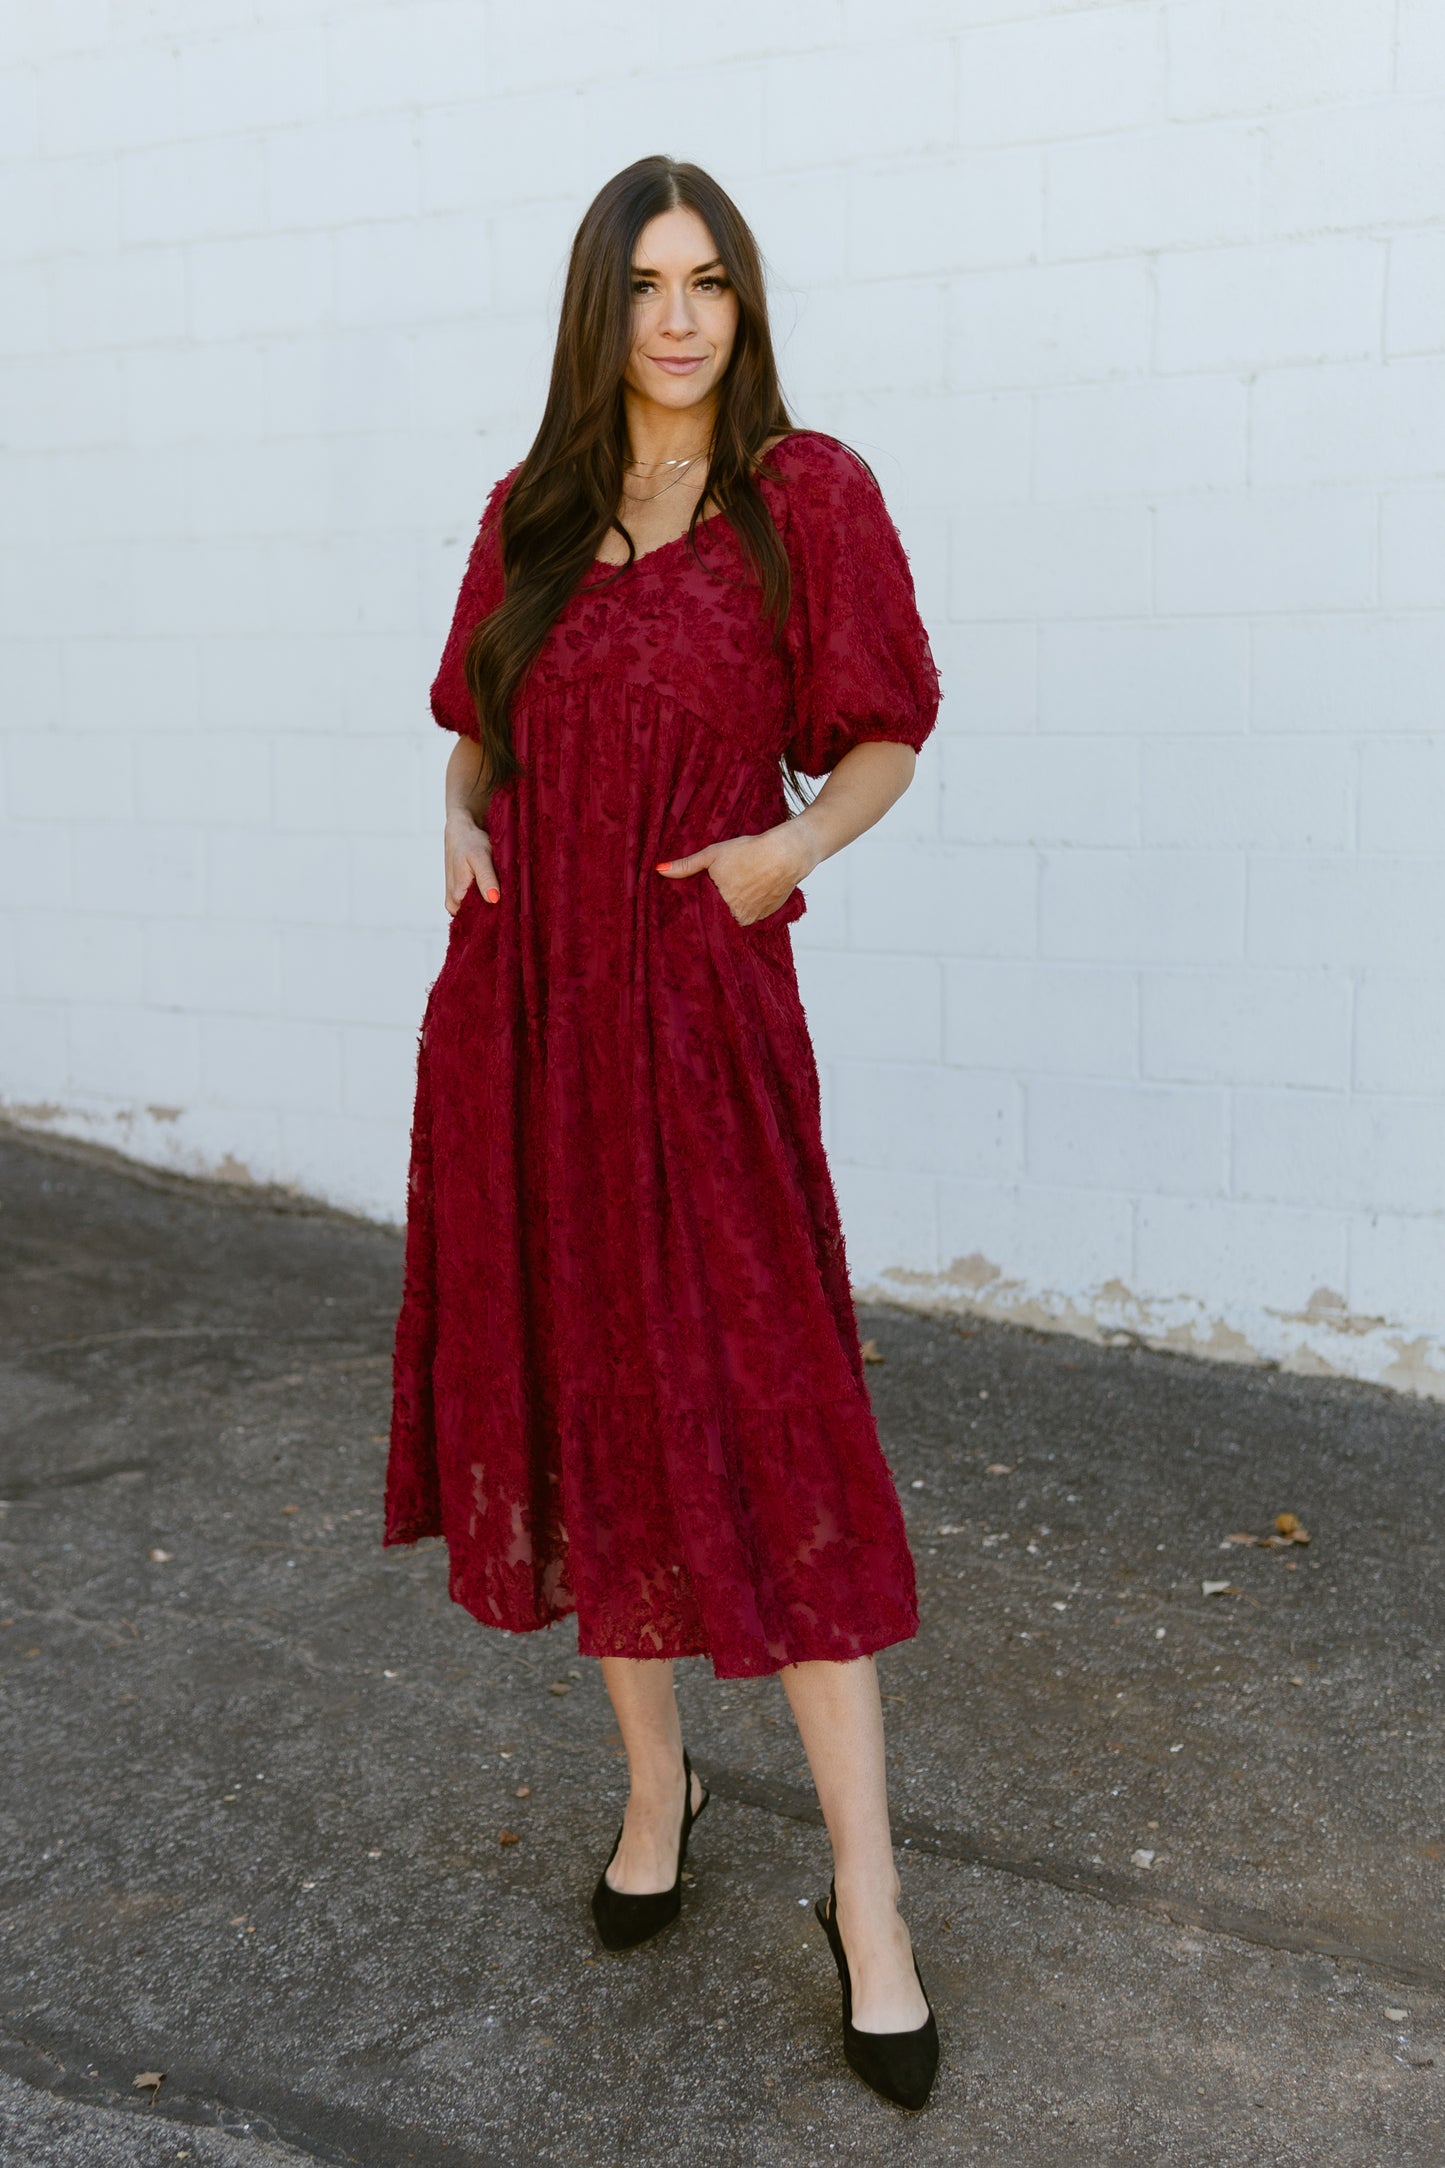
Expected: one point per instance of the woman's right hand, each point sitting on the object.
(468, 858)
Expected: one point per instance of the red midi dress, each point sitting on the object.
(628, 1380)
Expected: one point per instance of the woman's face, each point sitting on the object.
(684, 313)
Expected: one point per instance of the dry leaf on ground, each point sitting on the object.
(1285, 1532)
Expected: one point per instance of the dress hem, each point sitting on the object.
(869, 1644)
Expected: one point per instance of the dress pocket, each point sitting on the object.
(466, 912)
(792, 906)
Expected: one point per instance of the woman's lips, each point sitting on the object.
(679, 365)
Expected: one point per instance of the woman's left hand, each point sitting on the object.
(754, 874)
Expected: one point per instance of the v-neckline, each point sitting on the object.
(630, 564)
(642, 556)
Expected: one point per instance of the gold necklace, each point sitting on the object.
(635, 466)
(632, 496)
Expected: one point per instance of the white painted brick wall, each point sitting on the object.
(1132, 1014)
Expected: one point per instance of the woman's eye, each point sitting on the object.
(705, 285)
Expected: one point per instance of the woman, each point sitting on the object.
(628, 1376)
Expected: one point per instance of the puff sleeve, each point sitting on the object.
(861, 664)
(482, 589)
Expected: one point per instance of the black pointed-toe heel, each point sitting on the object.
(899, 2065)
(624, 1920)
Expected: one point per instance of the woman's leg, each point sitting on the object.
(840, 1720)
(645, 1705)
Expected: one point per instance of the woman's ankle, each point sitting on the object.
(867, 1890)
(655, 1781)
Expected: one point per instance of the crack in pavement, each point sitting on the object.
(99, 1471)
(315, 2130)
(1240, 1922)
(342, 2137)
(130, 1335)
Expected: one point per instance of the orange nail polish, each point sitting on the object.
(494, 895)
(663, 865)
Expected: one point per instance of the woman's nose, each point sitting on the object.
(677, 319)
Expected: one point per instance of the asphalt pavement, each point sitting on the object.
(292, 1840)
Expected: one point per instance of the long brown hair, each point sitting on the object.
(566, 494)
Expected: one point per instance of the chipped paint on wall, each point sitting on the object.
(180, 1140)
(1323, 1340)
(152, 1135)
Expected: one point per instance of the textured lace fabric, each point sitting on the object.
(628, 1381)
